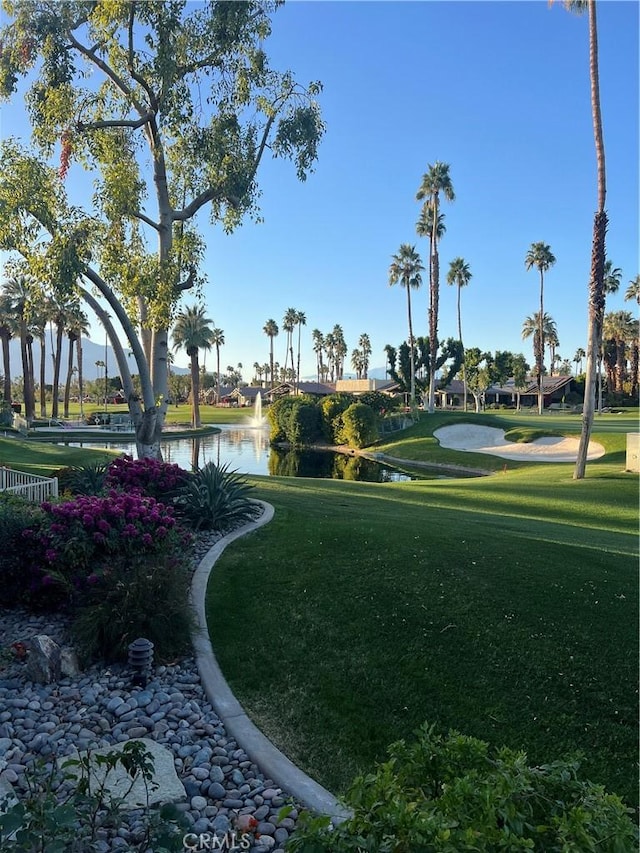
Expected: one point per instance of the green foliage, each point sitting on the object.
(66, 810)
(359, 425)
(454, 793)
(215, 498)
(379, 402)
(331, 409)
(16, 515)
(295, 420)
(304, 423)
(136, 596)
(82, 479)
(278, 416)
(6, 414)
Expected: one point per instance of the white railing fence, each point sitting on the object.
(29, 486)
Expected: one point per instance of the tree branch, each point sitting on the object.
(147, 221)
(100, 125)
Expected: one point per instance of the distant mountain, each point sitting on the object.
(91, 352)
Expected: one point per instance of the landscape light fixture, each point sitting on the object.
(141, 660)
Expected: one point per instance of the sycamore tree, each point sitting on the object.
(171, 108)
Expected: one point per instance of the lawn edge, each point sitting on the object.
(237, 723)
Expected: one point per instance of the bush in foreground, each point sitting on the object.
(454, 794)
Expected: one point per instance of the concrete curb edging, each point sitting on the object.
(269, 759)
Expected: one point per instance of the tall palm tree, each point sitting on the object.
(553, 342)
(339, 349)
(356, 362)
(77, 326)
(192, 332)
(19, 291)
(288, 325)
(365, 348)
(577, 359)
(434, 182)
(406, 267)
(318, 346)
(596, 297)
(40, 316)
(540, 257)
(539, 329)
(7, 329)
(618, 329)
(271, 330)
(632, 293)
(217, 340)
(301, 321)
(330, 351)
(460, 275)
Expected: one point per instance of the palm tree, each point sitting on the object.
(618, 329)
(288, 325)
(541, 257)
(330, 351)
(633, 290)
(301, 321)
(596, 297)
(7, 329)
(318, 346)
(365, 348)
(553, 342)
(577, 359)
(435, 181)
(532, 327)
(632, 293)
(460, 275)
(192, 332)
(217, 340)
(77, 325)
(339, 350)
(405, 268)
(18, 289)
(356, 362)
(39, 319)
(271, 330)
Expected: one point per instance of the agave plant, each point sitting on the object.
(215, 498)
(83, 479)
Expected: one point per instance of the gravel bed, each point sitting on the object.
(101, 707)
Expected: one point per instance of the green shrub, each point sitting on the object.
(17, 554)
(215, 498)
(137, 595)
(67, 810)
(359, 426)
(82, 479)
(331, 409)
(453, 794)
(379, 402)
(303, 424)
(278, 416)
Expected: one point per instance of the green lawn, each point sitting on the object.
(505, 607)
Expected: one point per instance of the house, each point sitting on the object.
(362, 386)
(246, 395)
(210, 395)
(554, 389)
(314, 389)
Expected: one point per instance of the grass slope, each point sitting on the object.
(505, 607)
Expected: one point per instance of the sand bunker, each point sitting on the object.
(483, 439)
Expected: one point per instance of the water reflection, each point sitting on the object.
(247, 450)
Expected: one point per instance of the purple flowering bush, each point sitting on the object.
(75, 546)
(159, 479)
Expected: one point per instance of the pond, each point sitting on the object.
(247, 449)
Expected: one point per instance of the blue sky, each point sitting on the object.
(500, 91)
